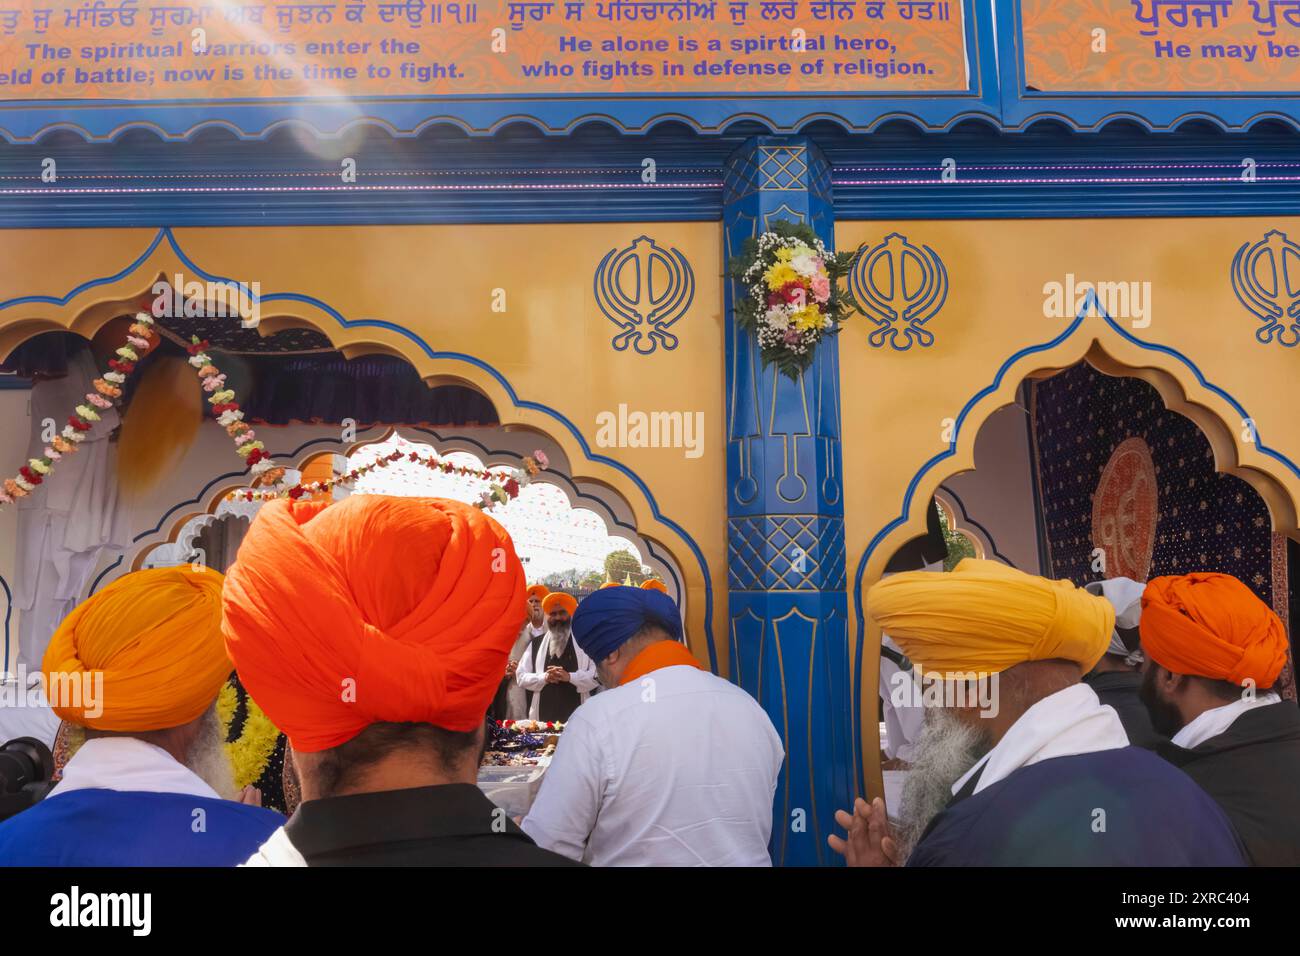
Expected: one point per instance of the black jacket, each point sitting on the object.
(1253, 770)
(1119, 689)
(450, 825)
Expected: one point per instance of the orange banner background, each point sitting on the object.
(132, 49)
(1059, 56)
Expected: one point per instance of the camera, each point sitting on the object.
(26, 766)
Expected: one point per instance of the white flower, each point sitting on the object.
(777, 318)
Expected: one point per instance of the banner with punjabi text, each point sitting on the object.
(178, 50)
(1161, 46)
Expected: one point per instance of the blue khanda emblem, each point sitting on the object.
(900, 287)
(1261, 277)
(644, 289)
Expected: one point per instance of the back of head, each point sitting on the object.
(151, 641)
(372, 610)
(609, 618)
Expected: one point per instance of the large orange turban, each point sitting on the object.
(984, 617)
(538, 591)
(558, 599)
(373, 609)
(650, 584)
(156, 637)
(1212, 625)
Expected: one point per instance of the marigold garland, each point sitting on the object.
(107, 392)
(504, 485)
(251, 752)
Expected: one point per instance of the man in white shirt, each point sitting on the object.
(555, 671)
(669, 765)
(511, 700)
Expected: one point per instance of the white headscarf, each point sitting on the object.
(1125, 595)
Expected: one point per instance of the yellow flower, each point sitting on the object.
(779, 274)
(784, 254)
(809, 317)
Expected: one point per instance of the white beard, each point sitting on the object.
(946, 749)
(559, 640)
(208, 757)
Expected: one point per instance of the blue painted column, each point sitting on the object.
(787, 610)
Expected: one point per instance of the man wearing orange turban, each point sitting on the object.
(373, 632)
(1214, 651)
(650, 584)
(557, 674)
(511, 701)
(1016, 754)
(136, 669)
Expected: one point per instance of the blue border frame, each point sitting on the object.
(24, 121)
(166, 233)
(1155, 111)
(1088, 306)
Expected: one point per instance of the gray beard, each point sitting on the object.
(946, 749)
(559, 639)
(208, 758)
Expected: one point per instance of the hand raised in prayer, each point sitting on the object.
(557, 675)
(870, 841)
(250, 795)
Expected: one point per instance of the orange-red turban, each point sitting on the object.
(156, 637)
(373, 609)
(650, 584)
(558, 599)
(1212, 625)
(983, 617)
(609, 584)
(538, 591)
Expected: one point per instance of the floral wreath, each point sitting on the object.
(791, 298)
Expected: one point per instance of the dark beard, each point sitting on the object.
(1165, 717)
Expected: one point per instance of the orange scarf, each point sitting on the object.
(657, 655)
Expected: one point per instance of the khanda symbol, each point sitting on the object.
(900, 287)
(644, 289)
(1261, 278)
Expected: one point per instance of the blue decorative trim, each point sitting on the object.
(1090, 304)
(166, 233)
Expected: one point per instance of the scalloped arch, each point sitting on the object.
(1182, 387)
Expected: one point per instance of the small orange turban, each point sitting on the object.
(558, 599)
(1212, 625)
(609, 584)
(372, 609)
(984, 617)
(650, 584)
(538, 591)
(156, 637)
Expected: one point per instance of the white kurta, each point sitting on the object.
(69, 521)
(531, 675)
(516, 696)
(678, 768)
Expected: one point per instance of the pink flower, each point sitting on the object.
(821, 288)
(792, 337)
(540, 457)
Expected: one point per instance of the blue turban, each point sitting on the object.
(608, 618)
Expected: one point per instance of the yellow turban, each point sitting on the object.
(984, 617)
(156, 637)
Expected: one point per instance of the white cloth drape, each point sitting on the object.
(71, 520)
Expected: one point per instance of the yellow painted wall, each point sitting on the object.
(896, 403)
(552, 343)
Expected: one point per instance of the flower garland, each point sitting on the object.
(108, 390)
(251, 751)
(792, 297)
(229, 415)
(504, 485)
